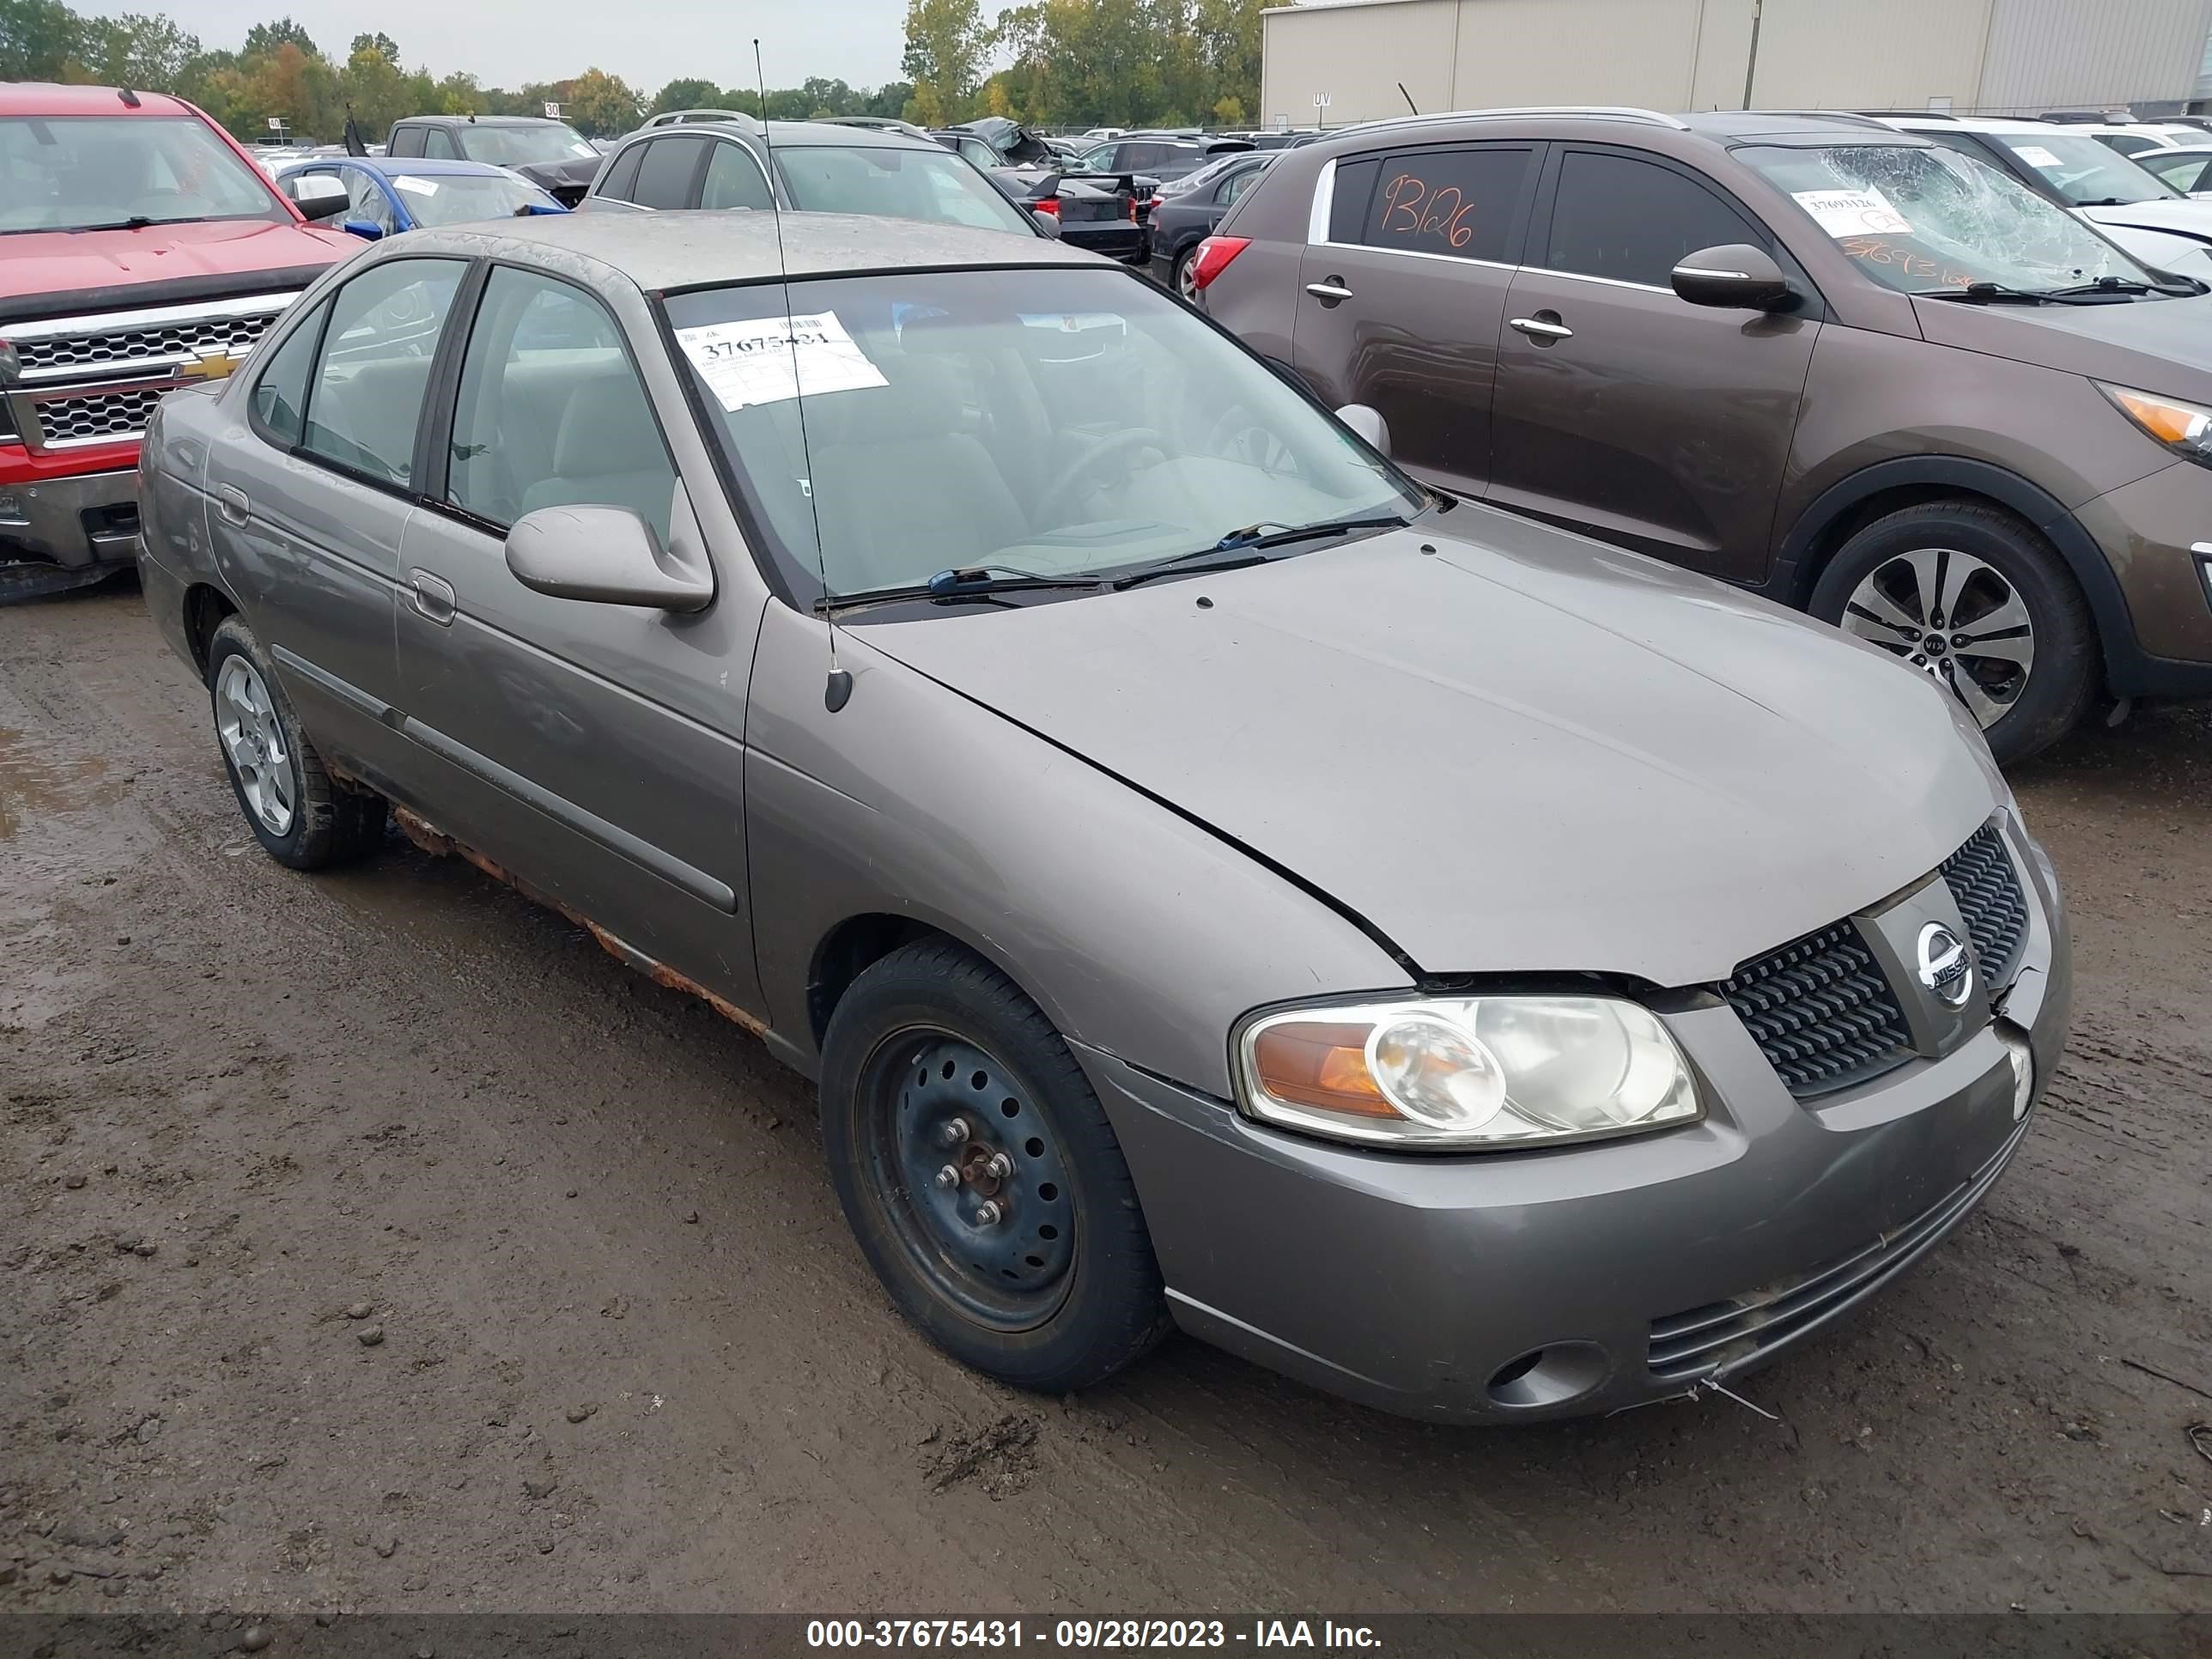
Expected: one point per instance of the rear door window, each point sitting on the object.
(367, 396)
(664, 178)
(620, 180)
(438, 143)
(1632, 221)
(1464, 203)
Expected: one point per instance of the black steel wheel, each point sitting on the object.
(981, 1176)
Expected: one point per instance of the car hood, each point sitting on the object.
(1529, 753)
(2183, 218)
(70, 263)
(2158, 345)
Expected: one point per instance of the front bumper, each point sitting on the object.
(63, 531)
(1636, 1269)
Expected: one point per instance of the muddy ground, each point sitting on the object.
(375, 1241)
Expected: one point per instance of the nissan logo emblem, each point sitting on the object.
(1947, 973)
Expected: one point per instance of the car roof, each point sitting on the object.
(662, 250)
(482, 120)
(422, 166)
(36, 98)
(793, 135)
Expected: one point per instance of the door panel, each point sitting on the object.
(1401, 305)
(313, 552)
(596, 750)
(1626, 411)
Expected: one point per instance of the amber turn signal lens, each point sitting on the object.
(1321, 1065)
(2169, 422)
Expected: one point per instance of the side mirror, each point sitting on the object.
(1047, 223)
(1369, 423)
(1735, 276)
(317, 195)
(367, 230)
(606, 555)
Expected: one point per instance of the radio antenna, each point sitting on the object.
(839, 689)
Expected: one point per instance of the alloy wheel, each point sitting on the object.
(1955, 617)
(253, 739)
(1186, 276)
(971, 1175)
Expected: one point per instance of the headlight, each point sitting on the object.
(1462, 1072)
(2185, 429)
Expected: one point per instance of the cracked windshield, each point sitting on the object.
(1057, 423)
(1931, 218)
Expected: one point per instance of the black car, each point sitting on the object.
(551, 154)
(1162, 156)
(1185, 211)
(1106, 213)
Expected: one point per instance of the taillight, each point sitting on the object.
(1153, 206)
(1212, 258)
(1132, 201)
(1047, 204)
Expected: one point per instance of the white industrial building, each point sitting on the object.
(1329, 64)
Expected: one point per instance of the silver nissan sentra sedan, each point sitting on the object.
(1216, 882)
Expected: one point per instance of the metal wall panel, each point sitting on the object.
(1356, 55)
(2050, 54)
(1869, 54)
(1589, 51)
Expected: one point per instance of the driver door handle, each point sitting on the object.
(1334, 288)
(434, 597)
(1537, 328)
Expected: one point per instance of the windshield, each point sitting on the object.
(455, 198)
(524, 146)
(82, 172)
(1918, 219)
(895, 184)
(1050, 423)
(2087, 171)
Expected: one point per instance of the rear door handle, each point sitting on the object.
(232, 502)
(1538, 328)
(434, 597)
(1331, 290)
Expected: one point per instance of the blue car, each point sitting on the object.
(385, 194)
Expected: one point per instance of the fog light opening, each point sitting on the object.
(1549, 1376)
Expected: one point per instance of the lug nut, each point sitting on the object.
(954, 1130)
(1919, 661)
(1959, 638)
(1000, 1165)
(987, 1214)
(948, 1178)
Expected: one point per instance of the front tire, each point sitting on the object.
(1976, 598)
(981, 1177)
(301, 815)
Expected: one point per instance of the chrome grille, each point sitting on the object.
(100, 417)
(1986, 887)
(145, 348)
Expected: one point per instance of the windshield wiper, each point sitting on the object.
(2115, 285)
(1244, 547)
(1983, 294)
(950, 585)
(136, 222)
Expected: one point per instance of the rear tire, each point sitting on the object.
(935, 1060)
(302, 816)
(2018, 645)
(1179, 276)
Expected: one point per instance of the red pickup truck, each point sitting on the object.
(140, 250)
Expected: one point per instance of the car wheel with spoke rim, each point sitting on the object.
(1186, 268)
(981, 1176)
(301, 815)
(1976, 599)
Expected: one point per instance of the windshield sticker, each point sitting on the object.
(777, 358)
(1863, 212)
(2036, 156)
(419, 186)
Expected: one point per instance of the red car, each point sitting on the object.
(140, 250)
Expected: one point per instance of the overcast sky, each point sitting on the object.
(509, 43)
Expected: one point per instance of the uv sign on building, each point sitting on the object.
(2014, 57)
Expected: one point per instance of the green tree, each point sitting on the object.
(687, 93)
(262, 39)
(947, 42)
(136, 50)
(38, 39)
(890, 99)
(381, 43)
(599, 105)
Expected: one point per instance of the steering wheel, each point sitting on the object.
(1234, 442)
(1091, 462)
